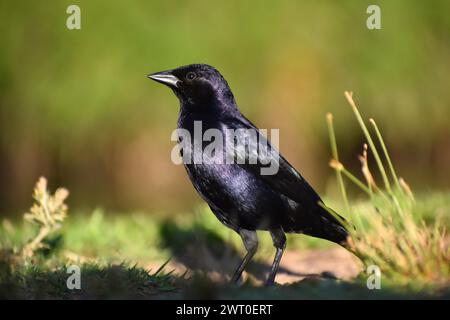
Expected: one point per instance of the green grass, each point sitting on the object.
(122, 281)
(115, 250)
(138, 237)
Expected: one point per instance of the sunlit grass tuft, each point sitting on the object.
(390, 230)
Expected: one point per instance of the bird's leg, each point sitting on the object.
(279, 241)
(250, 240)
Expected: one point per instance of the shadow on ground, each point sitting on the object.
(202, 250)
(124, 282)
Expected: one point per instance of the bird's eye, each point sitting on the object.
(191, 76)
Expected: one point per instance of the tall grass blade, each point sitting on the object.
(349, 97)
(386, 154)
(335, 155)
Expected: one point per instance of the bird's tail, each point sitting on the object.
(337, 230)
(318, 220)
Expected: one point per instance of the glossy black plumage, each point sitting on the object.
(238, 194)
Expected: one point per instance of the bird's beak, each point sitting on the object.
(165, 77)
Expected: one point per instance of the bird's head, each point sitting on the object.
(196, 84)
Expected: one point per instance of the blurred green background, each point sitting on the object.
(75, 105)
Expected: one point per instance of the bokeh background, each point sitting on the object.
(75, 105)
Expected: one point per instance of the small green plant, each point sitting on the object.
(389, 232)
(48, 212)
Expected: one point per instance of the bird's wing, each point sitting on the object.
(287, 180)
(283, 178)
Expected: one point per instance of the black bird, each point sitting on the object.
(240, 196)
